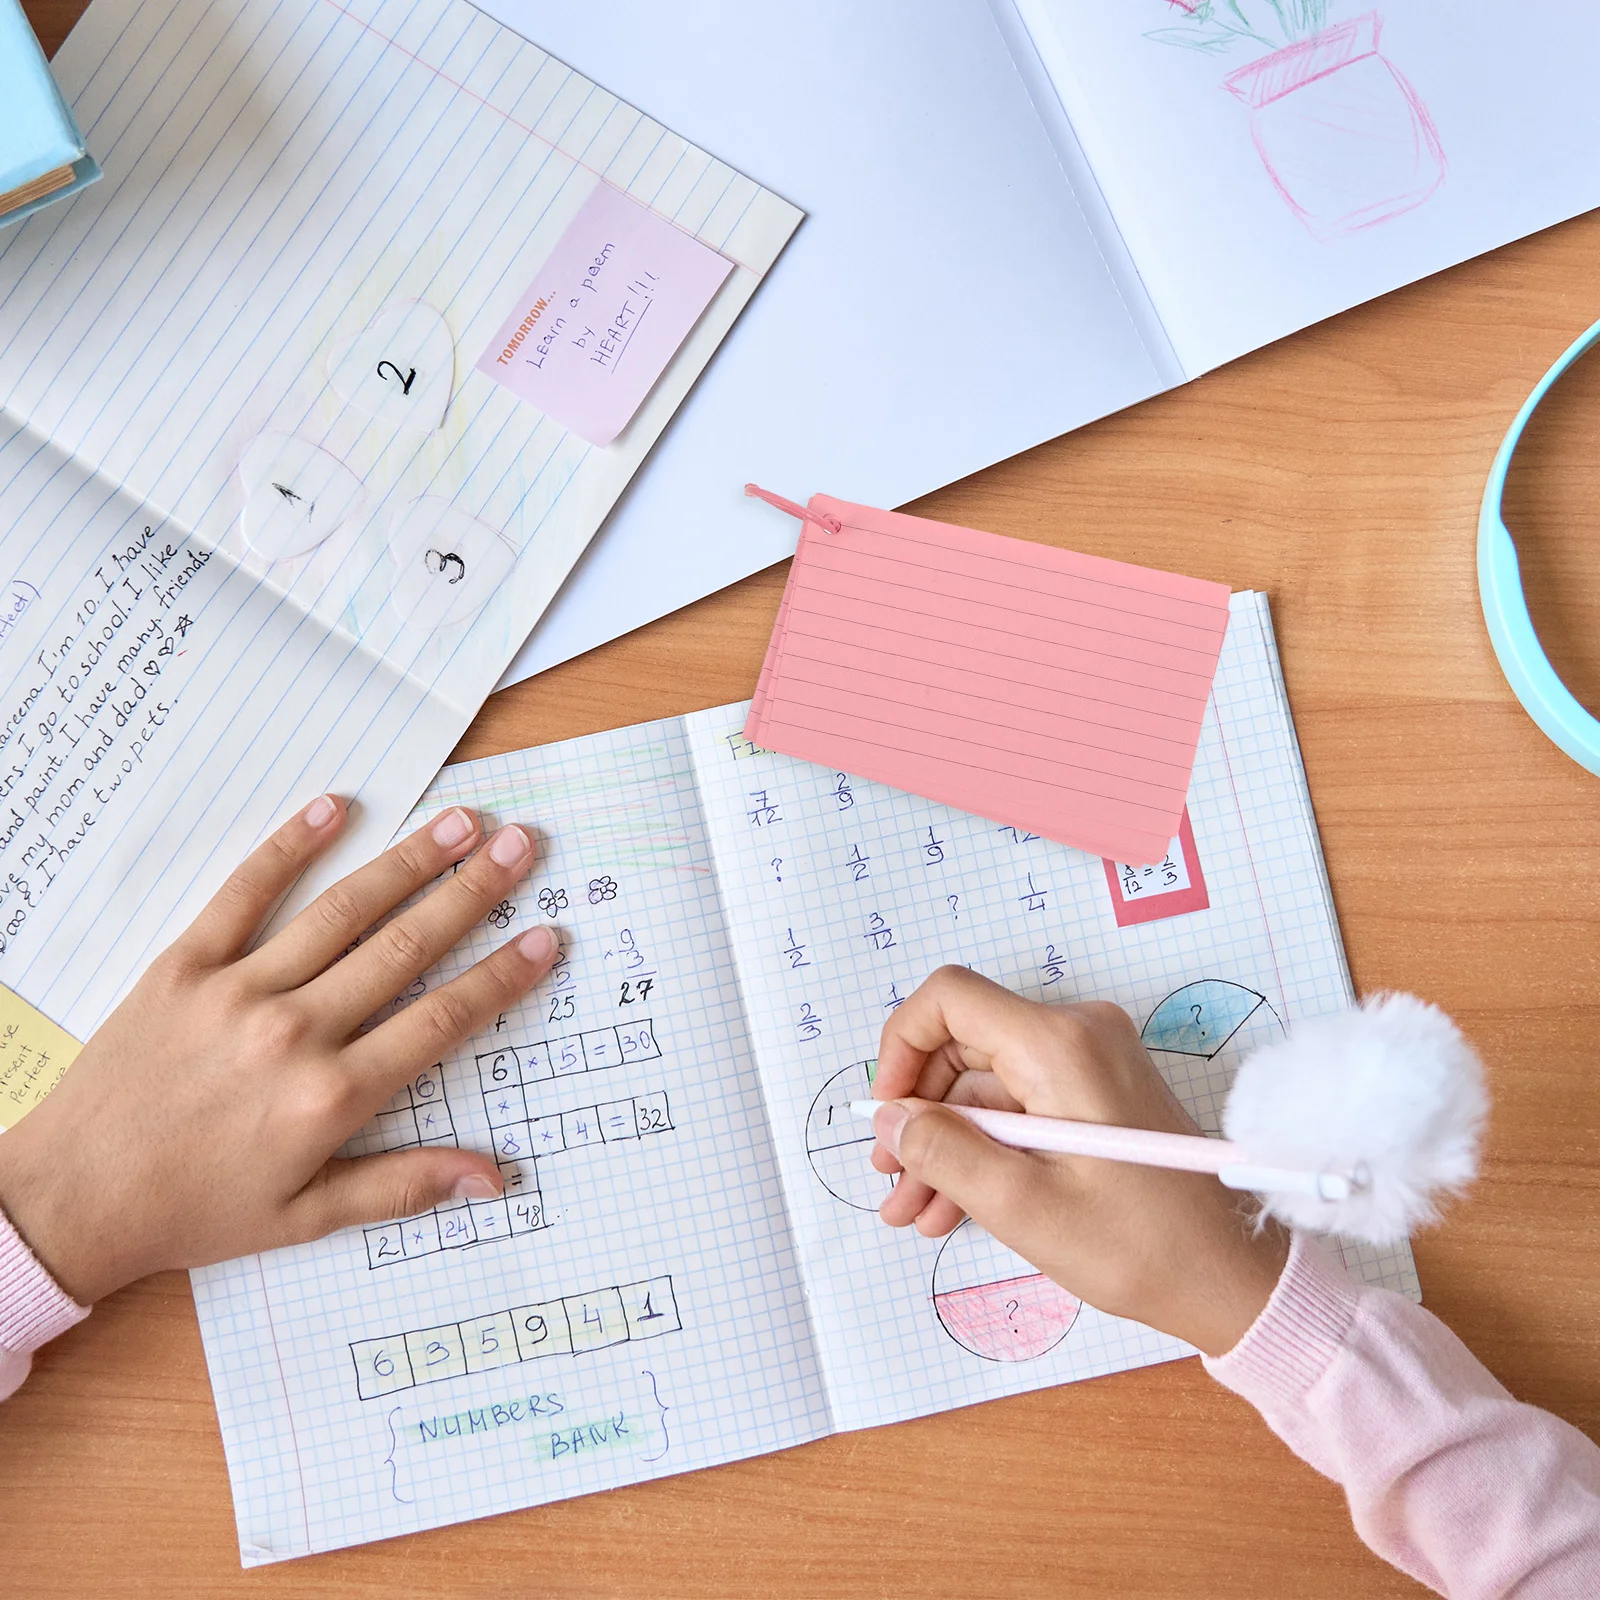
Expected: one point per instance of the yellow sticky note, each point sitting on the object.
(34, 1053)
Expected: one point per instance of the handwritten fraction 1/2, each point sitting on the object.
(573, 1325)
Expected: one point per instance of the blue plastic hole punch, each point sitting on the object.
(1533, 680)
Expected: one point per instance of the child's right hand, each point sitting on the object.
(1174, 1250)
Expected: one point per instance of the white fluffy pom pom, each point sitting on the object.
(1391, 1088)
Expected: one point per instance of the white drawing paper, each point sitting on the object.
(1129, 219)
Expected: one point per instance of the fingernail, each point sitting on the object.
(321, 812)
(537, 944)
(453, 828)
(474, 1187)
(887, 1123)
(510, 846)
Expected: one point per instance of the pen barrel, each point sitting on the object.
(1183, 1152)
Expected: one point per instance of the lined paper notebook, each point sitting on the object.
(686, 1267)
(267, 531)
(1058, 692)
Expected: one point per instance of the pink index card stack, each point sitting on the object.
(1050, 691)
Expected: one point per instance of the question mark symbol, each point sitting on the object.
(777, 867)
(1011, 1310)
(954, 900)
(1196, 1010)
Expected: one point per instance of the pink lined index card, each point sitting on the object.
(1050, 691)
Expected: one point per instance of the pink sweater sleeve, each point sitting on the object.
(1448, 1477)
(33, 1308)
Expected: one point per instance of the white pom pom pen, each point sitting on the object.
(1182, 1152)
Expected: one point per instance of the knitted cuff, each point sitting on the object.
(34, 1308)
(1300, 1329)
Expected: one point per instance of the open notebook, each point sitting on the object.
(686, 1267)
(270, 526)
(1070, 204)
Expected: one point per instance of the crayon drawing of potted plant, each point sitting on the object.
(1344, 138)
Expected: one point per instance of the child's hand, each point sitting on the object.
(200, 1121)
(1174, 1250)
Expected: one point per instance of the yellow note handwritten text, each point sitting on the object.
(34, 1053)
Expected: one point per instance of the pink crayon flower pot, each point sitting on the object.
(1343, 136)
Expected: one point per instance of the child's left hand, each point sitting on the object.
(199, 1123)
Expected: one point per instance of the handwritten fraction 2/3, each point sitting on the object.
(838, 1144)
(993, 1303)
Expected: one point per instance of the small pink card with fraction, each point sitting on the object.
(1165, 888)
(604, 315)
(1045, 690)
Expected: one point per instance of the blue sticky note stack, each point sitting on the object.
(42, 155)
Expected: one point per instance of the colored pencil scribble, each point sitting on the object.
(1343, 137)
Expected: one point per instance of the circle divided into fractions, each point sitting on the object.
(839, 1143)
(1203, 1017)
(993, 1303)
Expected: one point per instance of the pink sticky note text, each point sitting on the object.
(604, 315)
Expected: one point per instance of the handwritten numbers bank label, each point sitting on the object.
(604, 315)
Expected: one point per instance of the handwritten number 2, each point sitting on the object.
(404, 382)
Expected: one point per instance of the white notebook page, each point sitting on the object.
(630, 1078)
(841, 896)
(688, 1221)
(282, 175)
(1272, 164)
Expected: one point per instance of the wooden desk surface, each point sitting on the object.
(1339, 471)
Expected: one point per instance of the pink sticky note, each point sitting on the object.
(1050, 691)
(604, 315)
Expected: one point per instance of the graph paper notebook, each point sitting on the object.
(686, 1267)
(267, 529)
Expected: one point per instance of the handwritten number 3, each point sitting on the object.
(405, 382)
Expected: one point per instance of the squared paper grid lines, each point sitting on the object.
(823, 862)
(780, 909)
(739, 1378)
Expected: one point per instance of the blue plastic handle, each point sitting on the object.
(1533, 680)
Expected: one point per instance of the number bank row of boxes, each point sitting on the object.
(574, 1325)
